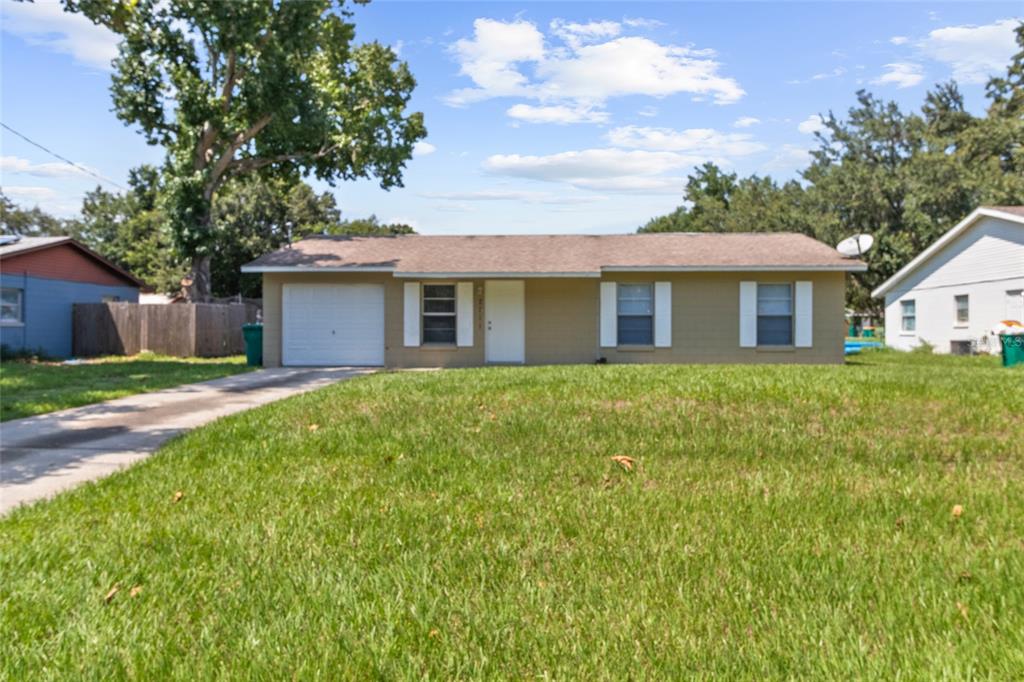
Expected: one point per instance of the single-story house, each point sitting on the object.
(956, 290)
(451, 301)
(41, 278)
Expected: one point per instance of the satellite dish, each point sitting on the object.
(855, 246)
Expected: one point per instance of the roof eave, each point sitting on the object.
(940, 243)
(480, 274)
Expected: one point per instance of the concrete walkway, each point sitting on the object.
(40, 456)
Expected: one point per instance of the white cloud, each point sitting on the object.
(574, 35)
(556, 114)
(46, 24)
(824, 75)
(745, 122)
(422, 148)
(973, 52)
(32, 194)
(490, 59)
(634, 66)
(586, 72)
(899, 40)
(614, 170)
(834, 73)
(17, 165)
(648, 112)
(640, 22)
(811, 125)
(901, 74)
(789, 158)
(703, 141)
(514, 195)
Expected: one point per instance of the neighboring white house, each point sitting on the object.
(952, 294)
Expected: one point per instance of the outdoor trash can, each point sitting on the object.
(1013, 349)
(253, 334)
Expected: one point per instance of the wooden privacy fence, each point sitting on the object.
(182, 329)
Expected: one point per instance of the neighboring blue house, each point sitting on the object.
(41, 278)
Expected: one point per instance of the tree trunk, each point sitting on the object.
(197, 288)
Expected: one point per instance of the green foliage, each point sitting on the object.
(255, 216)
(131, 230)
(248, 86)
(369, 227)
(32, 222)
(903, 177)
(781, 522)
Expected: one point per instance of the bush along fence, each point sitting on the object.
(180, 329)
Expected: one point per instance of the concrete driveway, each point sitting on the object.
(40, 456)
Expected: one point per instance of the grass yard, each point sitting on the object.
(860, 521)
(29, 388)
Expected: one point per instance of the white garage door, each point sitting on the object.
(332, 324)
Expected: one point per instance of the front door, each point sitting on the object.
(505, 310)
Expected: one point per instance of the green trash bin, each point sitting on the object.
(253, 334)
(1013, 349)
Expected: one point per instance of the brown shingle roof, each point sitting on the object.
(559, 254)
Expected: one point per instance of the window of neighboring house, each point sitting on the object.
(636, 314)
(908, 316)
(10, 306)
(774, 315)
(1015, 305)
(962, 309)
(439, 313)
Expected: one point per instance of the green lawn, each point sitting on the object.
(28, 388)
(781, 521)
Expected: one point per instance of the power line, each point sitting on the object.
(65, 160)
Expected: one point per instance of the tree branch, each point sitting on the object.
(229, 83)
(228, 156)
(255, 163)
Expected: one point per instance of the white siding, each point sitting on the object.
(983, 263)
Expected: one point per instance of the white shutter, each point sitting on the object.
(411, 322)
(464, 313)
(804, 314)
(609, 324)
(748, 314)
(663, 314)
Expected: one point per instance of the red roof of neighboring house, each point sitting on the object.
(62, 258)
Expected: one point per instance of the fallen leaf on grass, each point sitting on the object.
(135, 591)
(963, 610)
(626, 463)
(110, 595)
(957, 511)
(178, 495)
(314, 427)
(433, 633)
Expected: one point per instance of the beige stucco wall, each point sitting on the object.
(562, 317)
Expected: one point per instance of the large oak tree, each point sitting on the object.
(254, 86)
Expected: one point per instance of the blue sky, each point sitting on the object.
(543, 117)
